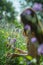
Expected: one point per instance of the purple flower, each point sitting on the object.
(37, 6)
(13, 40)
(34, 39)
(27, 12)
(27, 27)
(40, 49)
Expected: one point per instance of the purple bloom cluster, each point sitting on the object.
(34, 39)
(27, 12)
(13, 40)
(27, 27)
(40, 49)
(37, 6)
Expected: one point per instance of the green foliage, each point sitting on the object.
(4, 34)
(12, 30)
(3, 41)
(7, 11)
(39, 1)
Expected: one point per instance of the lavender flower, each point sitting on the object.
(34, 39)
(40, 49)
(37, 6)
(27, 12)
(13, 40)
(27, 27)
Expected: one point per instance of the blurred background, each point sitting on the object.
(11, 28)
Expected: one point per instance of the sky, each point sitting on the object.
(17, 5)
(16, 2)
